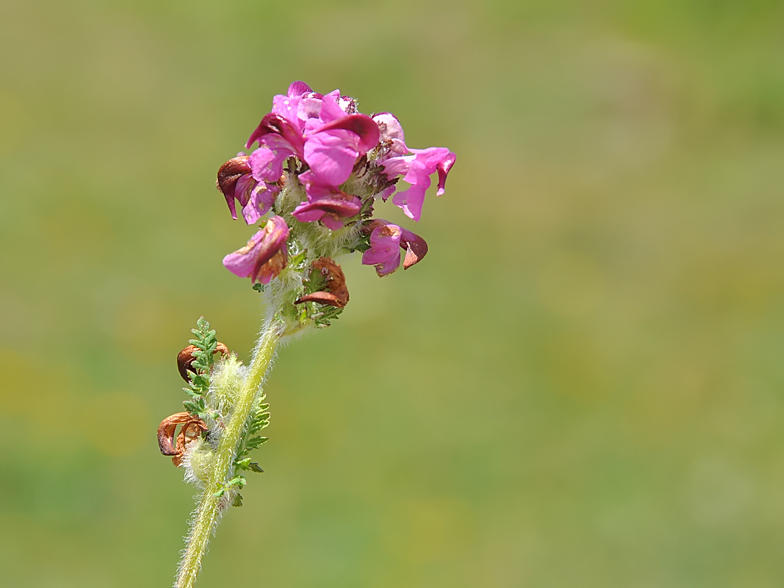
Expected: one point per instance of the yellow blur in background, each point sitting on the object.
(581, 385)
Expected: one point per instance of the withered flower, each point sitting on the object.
(185, 358)
(191, 429)
(335, 292)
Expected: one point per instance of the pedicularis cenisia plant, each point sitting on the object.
(312, 185)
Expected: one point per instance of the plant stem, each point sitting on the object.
(209, 508)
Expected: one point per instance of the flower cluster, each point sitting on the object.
(319, 167)
(312, 182)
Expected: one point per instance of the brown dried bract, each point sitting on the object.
(185, 358)
(191, 429)
(335, 292)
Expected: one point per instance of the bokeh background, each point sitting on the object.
(580, 386)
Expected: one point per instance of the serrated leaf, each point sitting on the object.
(190, 406)
(255, 442)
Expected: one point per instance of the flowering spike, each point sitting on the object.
(320, 170)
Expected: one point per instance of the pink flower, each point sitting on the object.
(265, 255)
(415, 165)
(386, 240)
(315, 129)
(416, 169)
(237, 184)
(336, 140)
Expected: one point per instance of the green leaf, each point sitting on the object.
(237, 481)
(255, 442)
(191, 406)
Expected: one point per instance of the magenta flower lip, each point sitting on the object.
(329, 209)
(265, 255)
(275, 124)
(343, 205)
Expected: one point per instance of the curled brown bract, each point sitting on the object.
(191, 429)
(335, 291)
(185, 358)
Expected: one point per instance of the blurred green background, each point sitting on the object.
(580, 386)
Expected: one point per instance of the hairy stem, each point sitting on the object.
(210, 507)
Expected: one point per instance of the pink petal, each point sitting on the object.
(361, 125)
(267, 165)
(259, 203)
(337, 204)
(331, 155)
(411, 200)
